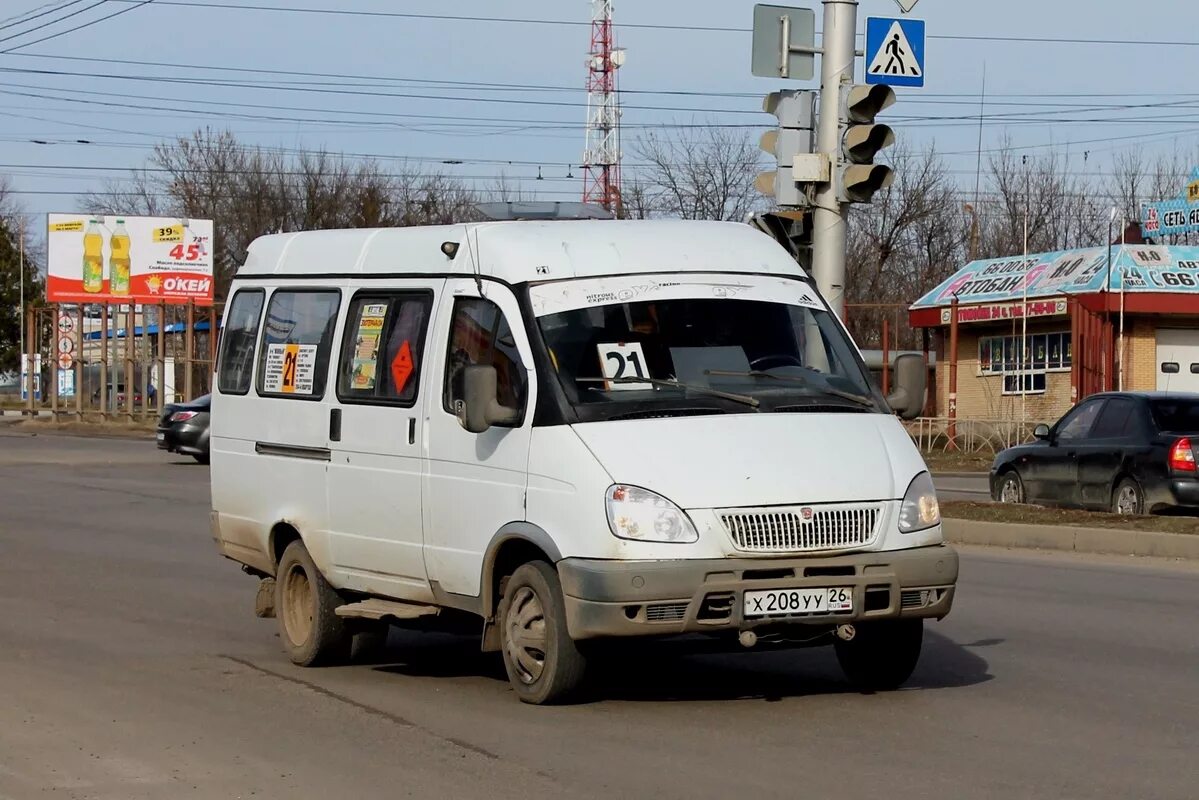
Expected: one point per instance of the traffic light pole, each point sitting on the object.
(838, 53)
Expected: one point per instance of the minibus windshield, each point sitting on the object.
(641, 346)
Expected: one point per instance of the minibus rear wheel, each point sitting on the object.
(543, 663)
(882, 655)
(305, 605)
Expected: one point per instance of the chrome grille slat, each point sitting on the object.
(784, 530)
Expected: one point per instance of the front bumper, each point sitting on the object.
(653, 598)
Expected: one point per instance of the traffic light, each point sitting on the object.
(792, 137)
(861, 140)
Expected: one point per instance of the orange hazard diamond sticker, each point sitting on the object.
(401, 367)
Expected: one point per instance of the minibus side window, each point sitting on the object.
(383, 348)
(480, 334)
(296, 340)
(238, 342)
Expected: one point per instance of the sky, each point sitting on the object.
(498, 86)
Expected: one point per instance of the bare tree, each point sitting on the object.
(700, 173)
(250, 191)
(1138, 180)
(12, 277)
(636, 200)
(504, 190)
(910, 238)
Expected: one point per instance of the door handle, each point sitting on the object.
(412, 430)
(335, 425)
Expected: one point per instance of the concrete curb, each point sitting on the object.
(1108, 541)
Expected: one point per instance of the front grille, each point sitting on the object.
(665, 612)
(802, 529)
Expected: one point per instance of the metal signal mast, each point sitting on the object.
(601, 158)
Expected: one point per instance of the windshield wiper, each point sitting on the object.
(673, 384)
(757, 373)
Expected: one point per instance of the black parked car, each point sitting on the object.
(1125, 452)
(183, 428)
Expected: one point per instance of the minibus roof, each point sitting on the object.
(515, 252)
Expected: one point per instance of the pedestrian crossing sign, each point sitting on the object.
(895, 51)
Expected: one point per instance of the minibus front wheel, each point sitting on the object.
(543, 663)
(881, 655)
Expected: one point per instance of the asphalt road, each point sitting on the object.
(963, 486)
(131, 666)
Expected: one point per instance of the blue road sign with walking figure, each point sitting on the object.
(895, 51)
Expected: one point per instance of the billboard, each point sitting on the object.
(1135, 268)
(98, 259)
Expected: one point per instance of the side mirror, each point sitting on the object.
(479, 407)
(1041, 432)
(911, 379)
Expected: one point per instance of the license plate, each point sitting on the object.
(162, 437)
(789, 602)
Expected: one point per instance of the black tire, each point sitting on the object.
(543, 663)
(1011, 487)
(305, 605)
(201, 458)
(1127, 498)
(882, 655)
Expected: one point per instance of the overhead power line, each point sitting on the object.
(640, 26)
(263, 85)
(32, 14)
(453, 121)
(89, 23)
(362, 93)
(52, 22)
(340, 79)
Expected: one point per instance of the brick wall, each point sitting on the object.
(1140, 352)
(1140, 348)
(982, 397)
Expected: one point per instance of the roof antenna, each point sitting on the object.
(474, 257)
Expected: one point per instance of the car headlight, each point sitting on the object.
(920, 509)
(643, 516)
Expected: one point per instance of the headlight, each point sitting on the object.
(643, 516)
(920, 509)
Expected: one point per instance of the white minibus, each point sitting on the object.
(561, 433)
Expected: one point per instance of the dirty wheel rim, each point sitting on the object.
(525, 635)
(297, 605)
(1126, 500)
(1010, 493)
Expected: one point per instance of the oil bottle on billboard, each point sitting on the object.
(118, 262)
(93, 258)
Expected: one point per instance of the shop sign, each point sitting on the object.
(998, 312)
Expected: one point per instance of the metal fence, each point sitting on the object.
(124, 364)
(933, 434)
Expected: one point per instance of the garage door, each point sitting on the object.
(1178, 360)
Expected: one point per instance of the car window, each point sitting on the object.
(296, 340)
(383, 348)
(1116, 421)
(1077, 424)
(238, 341)
(480, 334)
(1173, 415)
